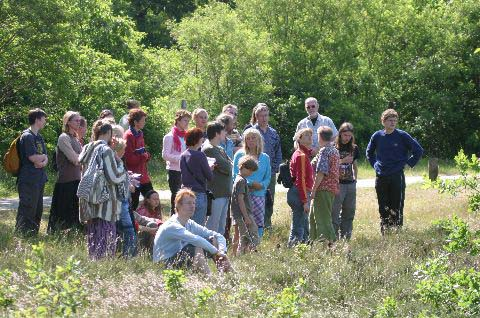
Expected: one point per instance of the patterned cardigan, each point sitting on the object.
(114, 173)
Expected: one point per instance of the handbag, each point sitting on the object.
(210, 195)
(93, 186)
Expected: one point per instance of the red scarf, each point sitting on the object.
(177, 134)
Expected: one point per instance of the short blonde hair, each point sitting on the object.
(66, 118)
(197, 111)
(259, 148)
(181, 194)
(228, 106)
(299, 135)
(389, 113)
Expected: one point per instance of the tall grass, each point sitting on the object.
(350, 281)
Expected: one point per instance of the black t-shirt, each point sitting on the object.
(346, 169)
(31, 144)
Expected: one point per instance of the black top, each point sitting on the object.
(30, 144)
(346, 169)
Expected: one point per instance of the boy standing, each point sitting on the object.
(388, 153)
(241, 208)
(32, 176)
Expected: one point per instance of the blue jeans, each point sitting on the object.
(200, 215)
(299, 230)
(125, 226)
(217, 220)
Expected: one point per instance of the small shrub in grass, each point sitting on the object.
(388, 309)
(7, 289)
(459, 236)
(203, 297)
(174, 280)
(301, 251)
(288, 302)
(58, 293)
(458, 292)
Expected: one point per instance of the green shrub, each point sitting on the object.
(174, 280)
(58, 293)
(7, 289)
(388, 309)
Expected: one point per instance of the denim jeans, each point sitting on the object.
(217, 220)
(125, 226)
(299, 230)
(200, 214)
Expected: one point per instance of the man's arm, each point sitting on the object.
(370, 152)
(318, 180)
(415, 148)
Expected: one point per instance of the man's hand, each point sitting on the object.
(222, 262)
(306, 207)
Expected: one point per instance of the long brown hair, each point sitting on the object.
(158, 209)
(338, 141)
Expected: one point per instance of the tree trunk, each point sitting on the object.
(433, 168)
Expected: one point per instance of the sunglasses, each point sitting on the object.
(310, 106)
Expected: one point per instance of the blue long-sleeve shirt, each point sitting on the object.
(262, 175)
(172, 236)
(388, 153)
(271, 146)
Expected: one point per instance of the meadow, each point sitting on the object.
(354, 279)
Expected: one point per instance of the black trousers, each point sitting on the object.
(143, 188)
(30, 207)
(391, 197)
(174, 183)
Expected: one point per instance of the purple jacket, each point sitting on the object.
(196, 163)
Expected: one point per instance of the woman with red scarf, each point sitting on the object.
(173, 146)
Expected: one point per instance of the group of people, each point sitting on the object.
(218, 177)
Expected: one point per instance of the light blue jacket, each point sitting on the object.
(262, 175)
(172, 236)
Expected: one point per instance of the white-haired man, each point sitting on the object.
(314, 120)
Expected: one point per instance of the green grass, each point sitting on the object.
(351, 281)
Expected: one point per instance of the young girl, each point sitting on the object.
(343, 210)
(152, 210)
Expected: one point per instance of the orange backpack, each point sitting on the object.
(11, 160)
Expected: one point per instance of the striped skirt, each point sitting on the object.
(258, 209)
(101, 238)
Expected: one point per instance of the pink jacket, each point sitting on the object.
(171, 156)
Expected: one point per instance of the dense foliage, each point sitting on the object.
(357, 57)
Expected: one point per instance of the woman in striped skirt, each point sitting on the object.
(101, 218)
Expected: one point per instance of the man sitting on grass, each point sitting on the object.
(180, 242)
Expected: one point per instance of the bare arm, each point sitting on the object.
(318, 180)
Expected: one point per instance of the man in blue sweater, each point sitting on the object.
(388, 151)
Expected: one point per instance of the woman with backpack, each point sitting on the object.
(99, 206)
(64, 209)
(298, 196)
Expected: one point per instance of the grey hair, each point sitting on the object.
(311, 99)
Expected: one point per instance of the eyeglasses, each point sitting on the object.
(311, 106)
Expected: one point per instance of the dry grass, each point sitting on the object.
(351, 281)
